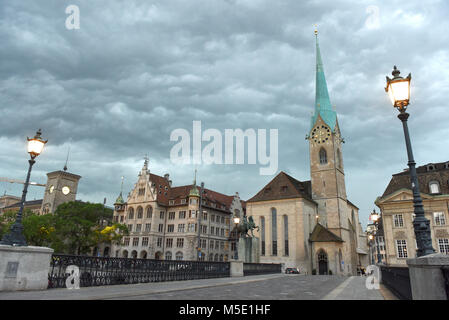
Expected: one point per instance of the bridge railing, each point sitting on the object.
(397, 279)
(250, 269)
(100, 271)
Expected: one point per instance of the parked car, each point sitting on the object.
(292, 271)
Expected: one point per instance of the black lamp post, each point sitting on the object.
(15, 236)
(398, 90)
(371, 237)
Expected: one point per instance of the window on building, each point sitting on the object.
(149, 212)
(285, 235)
(179, 255)
(211, 244)
(121, 218)
(192, 227)
(126, 241)
(222, 232)
(222, 220)
(221, 245)
(147, 227)
(168, 255)
(204, 229)
(274, 236)
(443, 245)
(212, 230)
(141, 191)
(398, 220)
(401, 246)
(170, 228)
(159, 242)
(181, 227)
(135, 242)
(217, 231)
(262, 235)
(131, 213)
(144, 241)
(439, 218)
(160, 228)
(169, 243)
(182, 214)
(217, 244)
(183, 201)
(323, 156)
(171, 202)
(203, 243)
(205, 216)
(193, 201)
(138, 227)
(139, 212)
(233, 246)
(180, 242)
(212, 218)
(171, 215)
(130, 227)
(161, 214)
(284, 188)
(434, 187)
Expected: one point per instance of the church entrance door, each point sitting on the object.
(322, 263)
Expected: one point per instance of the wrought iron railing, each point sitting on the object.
(99, 271)
(250, 269)
(397, 279)
(445, 271)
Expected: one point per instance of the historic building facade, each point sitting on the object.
(396, 205)
(165, 222)
(311, 224)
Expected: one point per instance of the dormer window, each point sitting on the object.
(183, 201)
(430, 167)
(171, 202)
(446, 165)
(434, 187)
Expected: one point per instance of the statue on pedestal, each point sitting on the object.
(248, 248)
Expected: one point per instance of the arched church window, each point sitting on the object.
(274, 235)
(285, 217)
(262, 235)
(323, 156)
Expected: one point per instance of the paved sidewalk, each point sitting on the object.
(354, 288)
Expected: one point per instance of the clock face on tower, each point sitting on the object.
(52, 188)
(65, 190)
(321, 134)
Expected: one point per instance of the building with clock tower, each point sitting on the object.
(61, 187)
(311, 224)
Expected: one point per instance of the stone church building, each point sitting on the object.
(311, 224)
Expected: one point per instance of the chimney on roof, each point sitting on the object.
(166, 176)
(169, 183)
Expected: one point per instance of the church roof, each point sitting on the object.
(322, 234)
(323, 107)
(284, 186)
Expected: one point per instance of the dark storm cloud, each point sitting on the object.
(136, 70)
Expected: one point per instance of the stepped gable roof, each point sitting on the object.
(322, 234)
(430, 172)
(284, 186)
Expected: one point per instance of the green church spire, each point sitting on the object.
(323, 105)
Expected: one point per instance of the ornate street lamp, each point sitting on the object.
(375, 218)
(15, 236)
(398, 90)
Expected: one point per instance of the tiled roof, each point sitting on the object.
(284, 186)
(439, 173)
(213, 199)
(27, 203)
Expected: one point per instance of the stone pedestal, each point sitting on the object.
(236, 268)
(248, 250)
(24, 268)
(426, 276)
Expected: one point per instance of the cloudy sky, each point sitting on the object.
(114, 89)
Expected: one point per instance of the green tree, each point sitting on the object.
(8, 217)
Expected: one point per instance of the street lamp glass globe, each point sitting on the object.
(399, 91)
(236, 220)
(36, 144)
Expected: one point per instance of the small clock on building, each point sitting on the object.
(65, 190)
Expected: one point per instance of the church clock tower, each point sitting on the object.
(326, 161)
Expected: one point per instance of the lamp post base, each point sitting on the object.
(15, 236)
